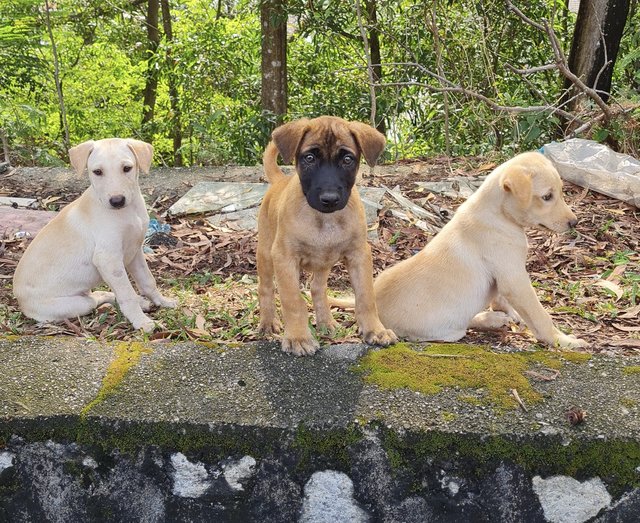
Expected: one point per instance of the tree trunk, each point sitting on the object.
(273, 19)
(598, 22)
(176, 124)
(5, 146)
(151, 84)
(376, 59)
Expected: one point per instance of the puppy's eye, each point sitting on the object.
(97, 172)
(309, 158)
(548, 197)
(347, 159)
(126, 168)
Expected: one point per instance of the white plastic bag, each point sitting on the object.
(594, 166)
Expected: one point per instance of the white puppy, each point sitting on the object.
(96, 238)
(479, 259)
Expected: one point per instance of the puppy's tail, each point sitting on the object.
(270, 163)
(342, 303)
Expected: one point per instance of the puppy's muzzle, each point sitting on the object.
(118, 201)
(330, 199)
(327, 189)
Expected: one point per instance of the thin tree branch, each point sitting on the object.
(367, 55)
(531, 70)
(561, 61)
(493, 105)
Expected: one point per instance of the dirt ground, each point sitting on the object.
(589, 280)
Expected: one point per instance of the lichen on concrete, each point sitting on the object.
(631, 369)
(127, 355)
(430, 368)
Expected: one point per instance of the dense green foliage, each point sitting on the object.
(103, 60)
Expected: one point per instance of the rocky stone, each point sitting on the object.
(328, 497)
(566, 500)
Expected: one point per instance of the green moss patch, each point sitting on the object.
(615, 461)
(127, 355)
(431, 368)
(631, 369)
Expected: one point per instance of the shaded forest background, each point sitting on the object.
(207, 80)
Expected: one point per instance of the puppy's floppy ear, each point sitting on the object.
(79, 155)
(370, 141)
(143, 152)
(287, 138)
(517, 181)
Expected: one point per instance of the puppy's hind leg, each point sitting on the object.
(101, 297)
(324, 318)
(489, 320)
(64, 307)
(269, 322)
(500, 303)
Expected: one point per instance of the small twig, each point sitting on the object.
(446, 355)
(515, 394)
(542, 377)
(531, 70)
(74, 328)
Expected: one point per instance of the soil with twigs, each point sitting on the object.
(588, 279)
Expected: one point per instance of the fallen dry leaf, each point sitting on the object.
(610, 286)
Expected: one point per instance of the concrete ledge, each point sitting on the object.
(191, 432)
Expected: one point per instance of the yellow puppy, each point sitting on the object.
(479, 259)
(96, 238)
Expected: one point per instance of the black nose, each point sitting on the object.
(330, 198)
(117, 201)
(573, 223)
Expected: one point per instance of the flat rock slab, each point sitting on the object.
(11, 201)
(14, 221)
(455, 187)
(231, 198)
(247, 219)
(214, 197)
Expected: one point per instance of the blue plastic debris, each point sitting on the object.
(157, 234)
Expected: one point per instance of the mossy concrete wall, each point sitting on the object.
(192, 432)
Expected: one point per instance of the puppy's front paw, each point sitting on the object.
(327, 327)
(569, 341)
(145, 304)
(268, 327)
(146, 324)
(382, 337)
(169, 303)
(300, 346)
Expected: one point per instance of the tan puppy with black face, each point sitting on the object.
(311, 221)
(96, 238)
(479, 259)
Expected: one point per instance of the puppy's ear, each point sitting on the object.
(517, 181)
(287, 138)
(143, 152)
(370, 141)
(79, 155)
